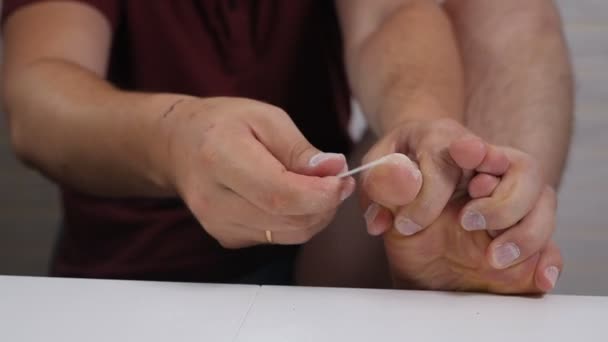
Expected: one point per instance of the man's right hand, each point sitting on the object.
(446, 257)
(508, 199)
(243, 168)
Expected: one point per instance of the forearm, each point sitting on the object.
(407, 68)
(79, 130)
(518, 77)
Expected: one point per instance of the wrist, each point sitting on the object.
(163, 120)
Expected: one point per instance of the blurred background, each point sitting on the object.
(29, 209)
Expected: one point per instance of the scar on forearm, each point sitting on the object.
(172, 107)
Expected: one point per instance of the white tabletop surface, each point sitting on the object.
(55, 309)
(71, 310)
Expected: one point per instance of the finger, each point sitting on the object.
(253, 223)
(515, 195)
(472, 153)
(518, 279)
(468, 152)
(261, 179)
(228, 235)
(443, 168)
(526, 238)
(549, 268)
(378, 219)
(247, 226)
(300, 236)
(495, 161)
(394, 182)
(325, 164)
(441, 176)
(278, 133)
(254, 218)
(482, 185)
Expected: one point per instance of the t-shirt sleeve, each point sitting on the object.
(109, 8)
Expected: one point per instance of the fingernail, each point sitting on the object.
(322, 156)
(370, 213)
(552, 274)
(406, 226)
(506, 254)
(345, 168)
(473, 220)
(347, 191)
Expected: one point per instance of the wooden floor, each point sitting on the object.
(29, 209)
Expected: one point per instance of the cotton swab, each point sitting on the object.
(364, 167)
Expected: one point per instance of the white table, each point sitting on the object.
(66, 310)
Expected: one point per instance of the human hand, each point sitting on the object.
(447, 156)
(446, 257)
(243, 168)
(506, 189)
(519, 212)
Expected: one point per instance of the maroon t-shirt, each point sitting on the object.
(287, 53)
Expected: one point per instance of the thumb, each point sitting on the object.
(325, 164)
(285, 141)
